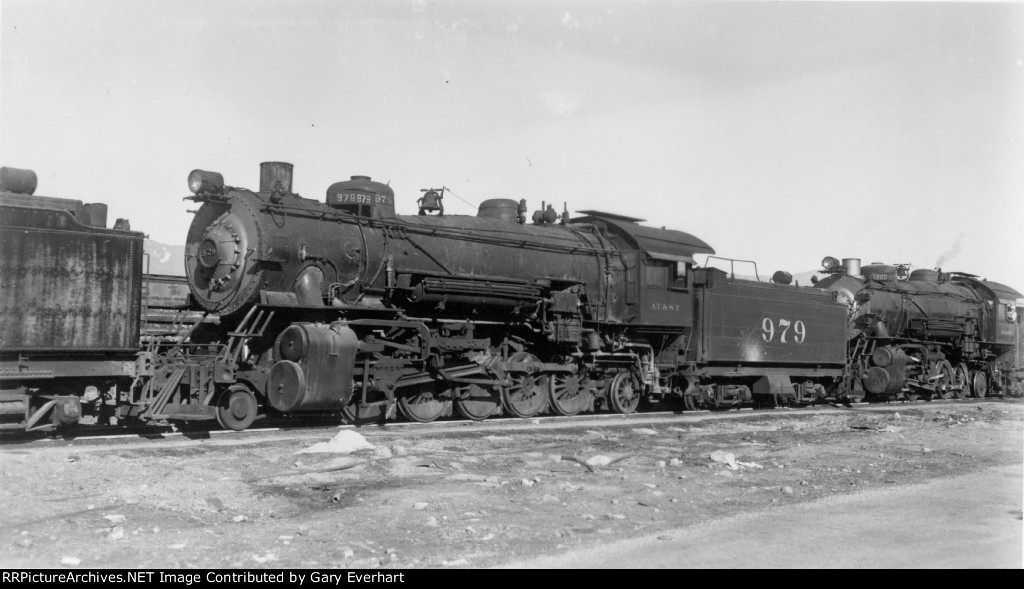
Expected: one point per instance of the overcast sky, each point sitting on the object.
(781, 132)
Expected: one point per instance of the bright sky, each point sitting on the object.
(782, 132)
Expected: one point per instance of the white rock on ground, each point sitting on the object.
(344, 442)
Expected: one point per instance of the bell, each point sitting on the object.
(430, 202)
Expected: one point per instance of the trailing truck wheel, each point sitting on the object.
(979, 384)
(237, 408)
(624, 393)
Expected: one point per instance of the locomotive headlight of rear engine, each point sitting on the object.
(200, 181)
(830, 263)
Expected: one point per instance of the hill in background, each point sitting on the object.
(165, 259)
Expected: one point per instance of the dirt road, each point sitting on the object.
(497, 495)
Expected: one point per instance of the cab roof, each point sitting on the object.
(660, 244)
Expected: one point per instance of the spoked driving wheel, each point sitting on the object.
(478, 402)
(237, 408)
(424, 406)
(945, 381)
(624, 393)
(961, 382)
(567, 394)
(528, 394)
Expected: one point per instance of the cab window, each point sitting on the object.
(657, 274)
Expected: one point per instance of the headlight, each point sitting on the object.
(203, 181)
(830, 263)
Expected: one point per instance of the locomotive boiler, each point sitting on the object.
(925, 332)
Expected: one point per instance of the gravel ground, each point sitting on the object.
(466, 496)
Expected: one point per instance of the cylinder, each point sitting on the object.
(320, 377)
(272, 173)
(851, 266)
(17, 180)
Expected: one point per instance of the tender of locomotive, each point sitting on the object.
(927, 332)
(342, 304)
(70, 303)
(80, 323)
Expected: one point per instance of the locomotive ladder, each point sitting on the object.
(170, 385)
(254, 324)
(860, 348)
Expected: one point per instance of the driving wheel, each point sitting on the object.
(567, 394)
(478, 402)
(425, 406)
(528, 394)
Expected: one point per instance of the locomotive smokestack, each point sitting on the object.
(272, 173)
(851, 266)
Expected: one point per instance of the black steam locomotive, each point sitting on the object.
(927, 333)
(341, 305)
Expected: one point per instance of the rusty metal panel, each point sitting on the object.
(67, 287)
(757, 323)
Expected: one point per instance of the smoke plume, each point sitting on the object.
(952, 252)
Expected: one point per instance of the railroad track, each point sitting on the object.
(276, 427)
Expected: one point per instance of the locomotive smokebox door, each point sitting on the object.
(316, 369)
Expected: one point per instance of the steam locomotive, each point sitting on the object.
(927, 332)
(342, 304)
(299, 306)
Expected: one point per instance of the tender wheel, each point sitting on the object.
(979, 384)
(624, 393)
(424, 406)
(237, 408)
(961, 382)
(567, 395)
(478, 402)
(528, 394)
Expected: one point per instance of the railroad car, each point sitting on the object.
(927, 332)
(80, 321)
